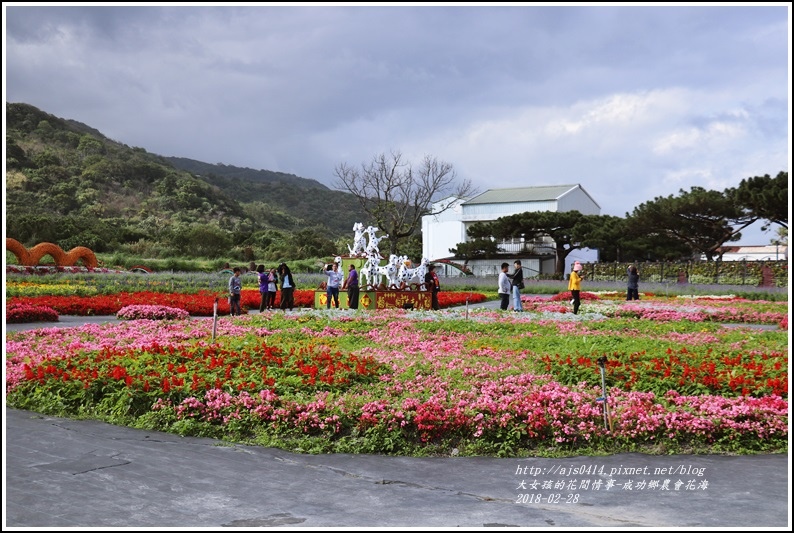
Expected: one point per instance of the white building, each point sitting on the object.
(769, 252)
(446, 230)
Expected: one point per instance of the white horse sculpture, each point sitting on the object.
(406, 274)
(372, 245)
(391, 270)
(370, 271)
(359, 241)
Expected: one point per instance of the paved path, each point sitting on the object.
(63, 473)
(80, 473)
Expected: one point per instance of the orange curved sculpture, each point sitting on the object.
(33, 256)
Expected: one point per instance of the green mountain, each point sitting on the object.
(68, 184)
(221, 172)
(303, 198)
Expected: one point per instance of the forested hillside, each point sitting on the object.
(304, 199)
(68, 184)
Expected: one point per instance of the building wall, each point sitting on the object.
(442, 231)
(583, 255)
(446, 230)
(754, 253)
(437, 241)
(578, 200)
(490, 212)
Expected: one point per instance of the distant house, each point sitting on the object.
(446, 230)
(768, 252)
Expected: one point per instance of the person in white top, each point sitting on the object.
(332, 288)
(504, 288)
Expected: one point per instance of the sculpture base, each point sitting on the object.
(380, 299)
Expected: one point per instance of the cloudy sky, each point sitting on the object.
(631, 102)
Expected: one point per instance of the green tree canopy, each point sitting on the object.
(700, 219)
(570, 230)
(764, 198)
(478, 248)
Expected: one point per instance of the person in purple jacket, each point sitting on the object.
(351, 284)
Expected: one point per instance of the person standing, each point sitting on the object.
(235, 292)
(431, 280)
(516, 284)
(264, 278)
(351, 285)
(633, 288)
(575, 286)
(332, 286)
(504, 288)
(287, 287)
(272, 285)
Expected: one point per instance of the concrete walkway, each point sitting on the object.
(62, 473)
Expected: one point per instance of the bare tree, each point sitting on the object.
(396, 195)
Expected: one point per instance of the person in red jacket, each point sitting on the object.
(431, 280)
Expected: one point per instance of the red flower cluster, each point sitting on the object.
(566, 296)
(687, 371)
(454, 299)
(199, 369)
(21, 312)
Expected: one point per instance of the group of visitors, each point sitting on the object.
(337, 280)
(268, 285)
(269, 282)
(350, 284)
(510, 285)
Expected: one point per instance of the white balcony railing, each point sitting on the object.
(527, 248)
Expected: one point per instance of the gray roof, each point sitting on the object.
(542, 193)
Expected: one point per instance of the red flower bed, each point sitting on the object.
(566, 296)
(454, 299)
(688, 371)
(21, 313)
(198, 304)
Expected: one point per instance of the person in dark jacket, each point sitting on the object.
(287, 287)
(516, 284)
(431, 280)
(264, 279)
(351, 285)
(235, 292)
(633, 288)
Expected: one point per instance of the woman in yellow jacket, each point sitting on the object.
(575, 285)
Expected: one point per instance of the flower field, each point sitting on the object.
(483, 382)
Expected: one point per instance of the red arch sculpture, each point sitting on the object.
(33, 256)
